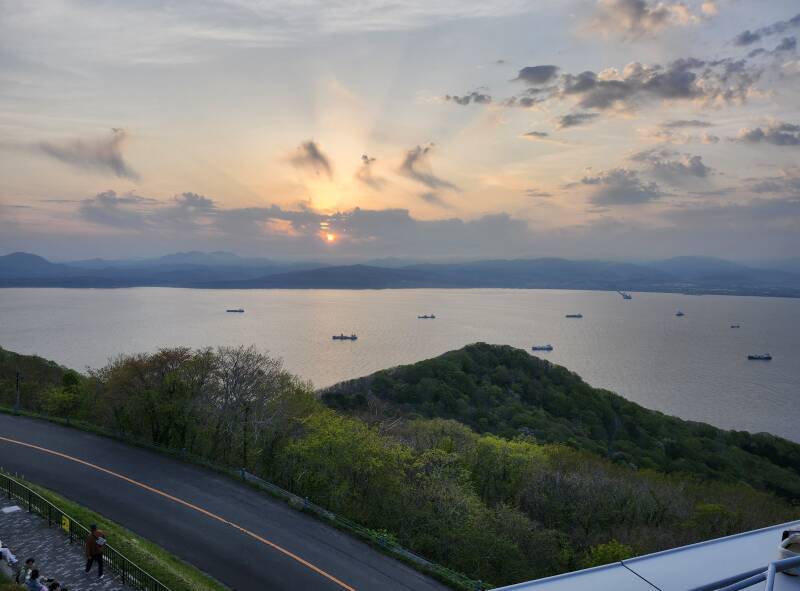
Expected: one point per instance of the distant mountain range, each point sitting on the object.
(215, 270)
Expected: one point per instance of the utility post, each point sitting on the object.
(244, 435)
(16, 405)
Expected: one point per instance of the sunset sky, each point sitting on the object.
(330, 130)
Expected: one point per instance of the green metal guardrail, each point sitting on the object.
(129, 573)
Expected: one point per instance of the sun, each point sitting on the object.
(330, 237)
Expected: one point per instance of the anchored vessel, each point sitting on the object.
(760, 357)
(679, 313)
(734, 326)
(574, 316)
(344, 337)
(237, 310)
(542, 347)
(427, 317)
(625, 295)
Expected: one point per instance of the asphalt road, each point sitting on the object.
(198, 515)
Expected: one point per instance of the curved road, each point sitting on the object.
(241, 537)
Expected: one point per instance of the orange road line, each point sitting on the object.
(180, 501)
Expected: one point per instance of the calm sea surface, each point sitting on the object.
(694, 366)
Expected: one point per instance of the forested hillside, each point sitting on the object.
(37, 376)
(501, 508)
(507, 392)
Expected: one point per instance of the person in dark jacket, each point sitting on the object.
(95, 542)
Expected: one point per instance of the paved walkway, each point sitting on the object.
(28, 536)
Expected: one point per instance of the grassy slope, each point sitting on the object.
(506, 391)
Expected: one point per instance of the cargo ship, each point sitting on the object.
(344, 337)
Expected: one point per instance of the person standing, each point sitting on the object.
(95, 542)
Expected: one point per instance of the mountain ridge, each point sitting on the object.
(222, 270)
(505, 391)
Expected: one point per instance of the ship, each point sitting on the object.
(679, 313)
(427, 317)
(344, 337)
(236, 310)
(574, 316)
(542, 348)
(760, 357)
(734, 326)
(625, 295)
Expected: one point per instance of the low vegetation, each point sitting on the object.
(506, 392)
(485, 460)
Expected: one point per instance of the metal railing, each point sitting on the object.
(129, 573)
(386, 544)
(753, 577)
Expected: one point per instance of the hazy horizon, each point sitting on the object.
(585, 129)
(398, 261)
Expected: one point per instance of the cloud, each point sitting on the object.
(118, 211)
(720, 81)
(763, 227)
(702, 82)
(670, 167)
(621, 186)
(778, 213)
(536, 135)
(434, 199)
(525, 102)
(776, 133)
(535, 75)
(416, 166)
(682, 123)
(787, 44)
(366, 176)
(148, 33)
(102, 155)
(191, 221)
(575, 119)
(748, 37)
(787, 184)
(631, 19)
(534, 192)
(709, 8)
(473, 97)
(671, 132)
(187, 211)
(309, 156)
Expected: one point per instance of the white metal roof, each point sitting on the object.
(681, 568)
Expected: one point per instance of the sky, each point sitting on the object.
(456, 129)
